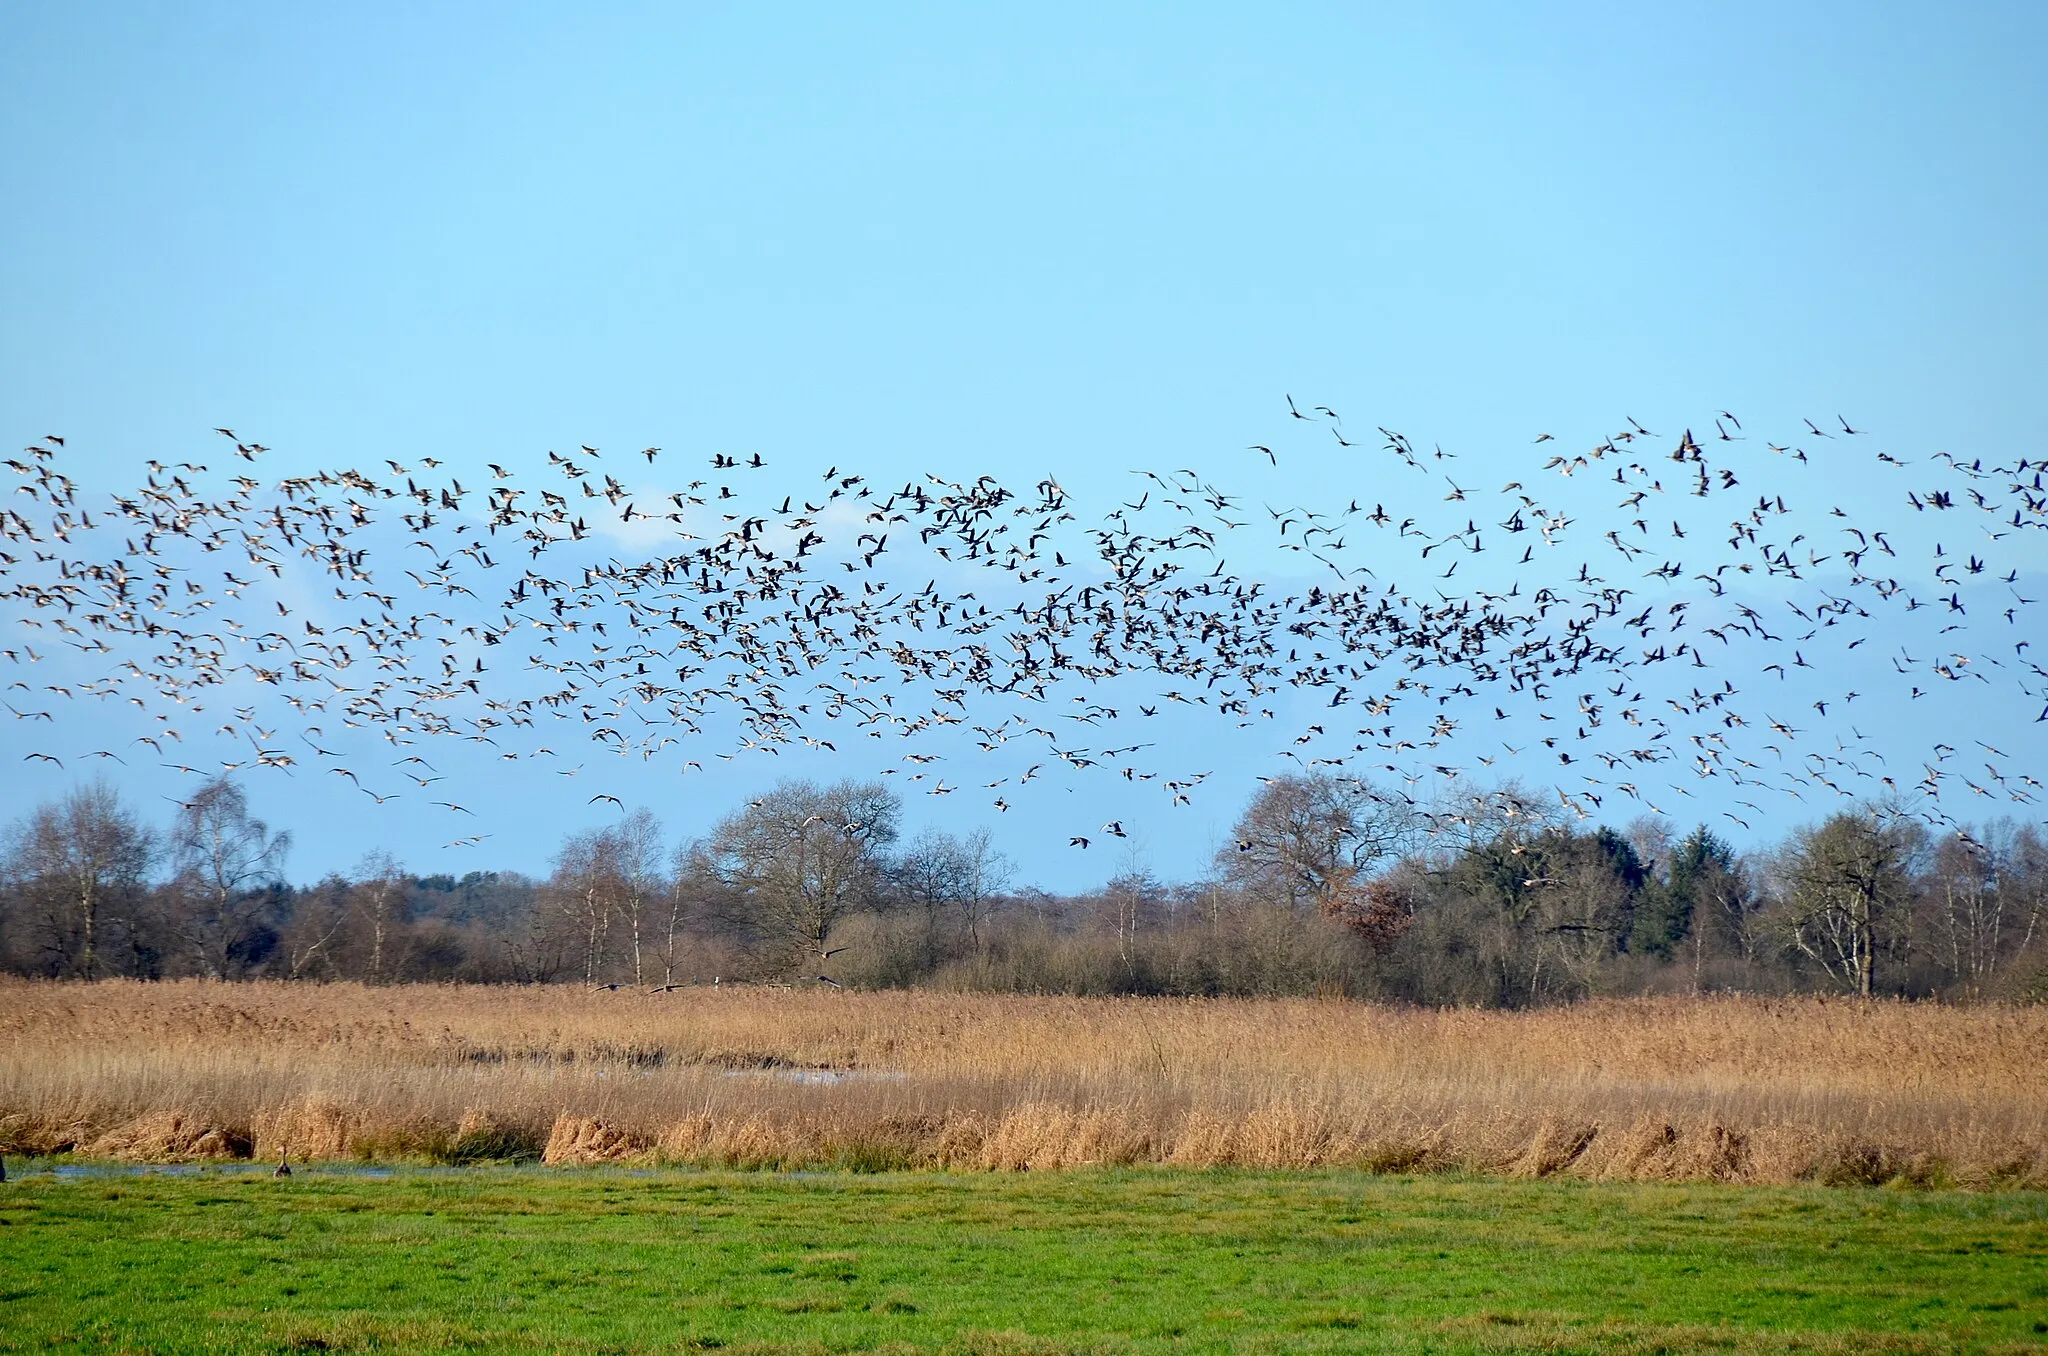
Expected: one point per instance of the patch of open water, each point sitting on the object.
(822, 1076)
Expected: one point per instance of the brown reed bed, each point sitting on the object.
(1723, 1089)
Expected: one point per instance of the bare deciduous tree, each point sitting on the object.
(806, 858)
(1844, 886)
(584, 894)
(318, 918)
(1987, 897)
(610, 876)
(80, 863)
(1305, 837)
(226, 860)
(378, 900)
(633, 849)
(952, 882)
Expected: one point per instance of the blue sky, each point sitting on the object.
(1075, 240)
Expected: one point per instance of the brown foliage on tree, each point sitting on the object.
(1375, 912)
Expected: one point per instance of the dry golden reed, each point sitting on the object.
(1714, 1089)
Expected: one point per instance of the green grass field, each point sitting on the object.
(1137, 1261)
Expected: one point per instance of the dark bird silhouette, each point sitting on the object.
(975, 600)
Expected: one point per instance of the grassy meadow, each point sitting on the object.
(1120, 1260)
(1722, 1089)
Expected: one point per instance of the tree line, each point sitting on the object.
(1328, 886)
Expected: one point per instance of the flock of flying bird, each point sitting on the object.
(1619, 657)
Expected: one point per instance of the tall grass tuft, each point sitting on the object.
(1712, 1089)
